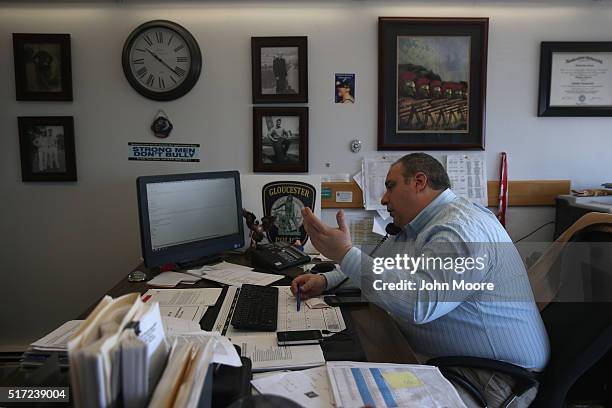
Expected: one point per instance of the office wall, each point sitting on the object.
(65, 244)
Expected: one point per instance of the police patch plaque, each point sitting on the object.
(285, 200)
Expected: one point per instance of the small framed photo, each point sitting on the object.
(345, 88)
(47, 148)
(575, 79)
(42, 67)
(280, 140)
(280, 69)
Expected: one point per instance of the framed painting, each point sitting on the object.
(575, 79)
(279, 69)
(280, 140)
(47, 148)
(432, 83)
(42, 67)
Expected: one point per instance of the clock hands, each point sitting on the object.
(162, 61)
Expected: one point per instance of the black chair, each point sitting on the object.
(580, 335)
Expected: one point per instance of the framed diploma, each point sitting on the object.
(575, 79)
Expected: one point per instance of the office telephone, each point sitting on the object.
(277, 256)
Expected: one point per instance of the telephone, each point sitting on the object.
(277, 256)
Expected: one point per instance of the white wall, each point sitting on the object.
(65, 244)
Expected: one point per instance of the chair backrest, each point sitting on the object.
(580, 334)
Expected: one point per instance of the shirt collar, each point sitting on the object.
(422, 219)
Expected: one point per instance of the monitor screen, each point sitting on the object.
(184, 217)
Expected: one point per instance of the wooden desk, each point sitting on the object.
(380, 338)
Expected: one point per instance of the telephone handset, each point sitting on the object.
(392, 229)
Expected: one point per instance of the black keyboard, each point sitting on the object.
(257, 308)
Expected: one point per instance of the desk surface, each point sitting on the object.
(380, 338)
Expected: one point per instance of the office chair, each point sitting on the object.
(580, 335)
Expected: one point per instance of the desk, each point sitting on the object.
(380, 338)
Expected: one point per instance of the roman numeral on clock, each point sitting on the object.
(138, 61)
(182, 59)
(179, 71)
(160, 36)
(180, 47)
(142, 72)
(148, 40)
(150, 79)
(161, 83)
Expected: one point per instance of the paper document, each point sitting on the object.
(288, 317)
(171, 279)
(189, 304)
(57, 340)
(223, 350)
(173, 325)
(374, 174)
(266, 355)
(390, 385)
(467, 177)
(310, 388)
(235, 275)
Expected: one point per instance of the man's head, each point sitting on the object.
(343, 88)
(278, 122)
(413, 182)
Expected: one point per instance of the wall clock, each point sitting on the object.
(161, 60)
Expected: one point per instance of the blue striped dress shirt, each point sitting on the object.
(503, 324)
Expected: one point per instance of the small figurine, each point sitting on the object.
(259, 231)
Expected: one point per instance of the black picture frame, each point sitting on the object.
(280, 54)
(265, 151)
(43, 67)
(580, 93)
(47, 148)
(450, 115)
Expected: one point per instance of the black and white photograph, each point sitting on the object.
(280, 139)
(42, 67)
(279, 69)
(47, 148)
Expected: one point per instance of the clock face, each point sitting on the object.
(161, 60)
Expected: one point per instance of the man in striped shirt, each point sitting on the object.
(445, 304)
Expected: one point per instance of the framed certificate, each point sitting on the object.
(575, 79)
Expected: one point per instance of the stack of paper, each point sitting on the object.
(267, 355)
(171, 279)
(57, 340)
(234, 275)
(390, 385)
(189, 304)
(309, 388)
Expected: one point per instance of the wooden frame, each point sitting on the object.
(47, 148)
(276, 148)
(275, 77)
(42, 67)
(573, 79)
(432, 83)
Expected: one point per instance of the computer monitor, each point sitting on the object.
(185, 218)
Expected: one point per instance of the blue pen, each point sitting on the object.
(299, 297)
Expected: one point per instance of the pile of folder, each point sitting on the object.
(120, 355)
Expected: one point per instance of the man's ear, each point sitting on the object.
(420, 180)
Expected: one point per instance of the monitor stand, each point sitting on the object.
(205, 260)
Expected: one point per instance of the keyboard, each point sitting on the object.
(256, 309)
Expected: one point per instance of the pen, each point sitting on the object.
(299, 297)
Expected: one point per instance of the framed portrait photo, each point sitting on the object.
(575, 79)
(279, 69)
(42, 67)
(432, 83)
(47, 148)
(280, 140)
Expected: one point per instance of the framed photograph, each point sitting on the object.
(42, 67)
(280, 69)
(575, 79)
(280, 140)
(432, 83)
(47, 148)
